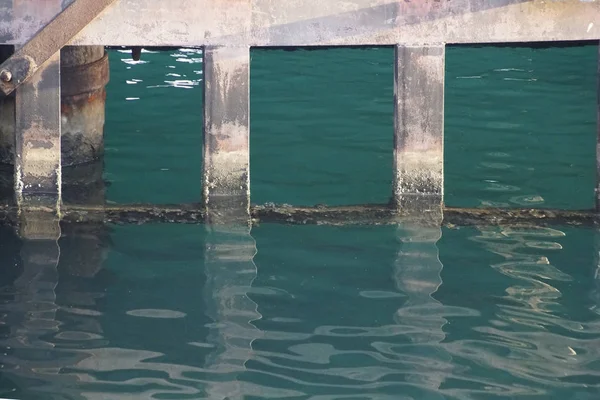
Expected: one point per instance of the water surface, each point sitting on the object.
(316, 312)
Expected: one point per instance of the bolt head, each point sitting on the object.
(5, 76)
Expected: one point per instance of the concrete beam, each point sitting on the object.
(226, 168)
(317, 22)
(419, 127)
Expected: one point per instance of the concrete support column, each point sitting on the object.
(37, 152)
(419, 128)
(226, 171)
(597, 191)
(72, 84)
(84, 75)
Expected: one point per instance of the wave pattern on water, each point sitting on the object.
(283, 314)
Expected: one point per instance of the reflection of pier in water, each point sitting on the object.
(230, 271)
(55, 340)
(418, 275)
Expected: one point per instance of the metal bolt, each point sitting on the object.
(5, 76)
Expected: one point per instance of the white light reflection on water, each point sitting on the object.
(181, 81)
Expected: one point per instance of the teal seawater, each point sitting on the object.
(302, 312)
(167, 311)
(520, 126)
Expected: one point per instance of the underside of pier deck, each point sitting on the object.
(317, 22)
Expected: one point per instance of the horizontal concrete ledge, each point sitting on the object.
(368, 214)
(316, 22)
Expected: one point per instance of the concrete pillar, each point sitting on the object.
(419, 128)
(597, 194)
(7, 118)
(84, 75)
(37, 152)
(53, 121)
(226, 171)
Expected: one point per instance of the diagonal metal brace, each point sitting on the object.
(49, 40)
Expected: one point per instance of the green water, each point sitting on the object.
(316, 312)
(519, 127)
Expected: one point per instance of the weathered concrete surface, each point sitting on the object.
(37, 163)
(84, 75)
(318, 22)
(419, 126)
(38, 218)
(226, 131)
(37, 148)
(597, 191)
(54, 35)
(364, 214)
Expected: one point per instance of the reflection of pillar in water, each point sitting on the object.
(29, 359)
(36, 345)
(418, 275)
(230, 271)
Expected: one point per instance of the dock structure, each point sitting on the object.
(227, 30)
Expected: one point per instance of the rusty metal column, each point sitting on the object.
(419, 128)
(85, 73)
(226, 170)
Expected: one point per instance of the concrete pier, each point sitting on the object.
(37, 133)
(84, 75)
(419, 127)
(227, 30)
(37, 152)
(53, 121)
(227, 133)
